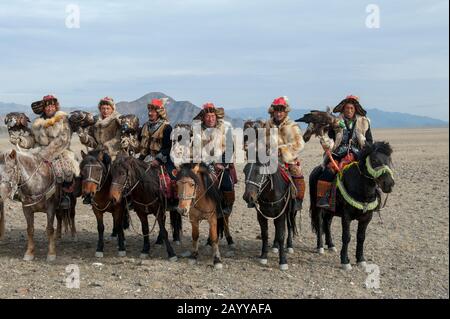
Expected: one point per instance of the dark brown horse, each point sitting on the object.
(96, 181)
(134, 180)
(356, 199)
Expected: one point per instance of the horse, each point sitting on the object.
(199, 199)
(138, 182)
(96, 179)
(271, 195)
(357, 198)
(35, 180)
(272, 203)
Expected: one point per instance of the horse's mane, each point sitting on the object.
(138, 171)
(211, 190)
(380, 147)
(186, 171)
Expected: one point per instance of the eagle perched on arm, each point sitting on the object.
(319, 122)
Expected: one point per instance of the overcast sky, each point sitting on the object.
(236, 53)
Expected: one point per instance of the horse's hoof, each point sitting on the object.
(332, 249)
(143, 256)
(284, 267)
(275, 250)
(362, 264)
(218, 266)
(263, 261)
(51, 258)
(75, 239)
(192, 261)
(173, 259)
(290, 250)
(185, 254)
(122, 253)
(320, 251)
(177, 243)
(28, 257)
(346, 267)
(99, 254)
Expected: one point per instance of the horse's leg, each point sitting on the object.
(327, 219)
(346, 236)
(73, 229)
(175, 221)
(29, 217)
(101, 231)
(280, 227)
(265, 239)
(227, 231)
(290, 232)
(118, 215)
(145, 232)
(162, 226)
(360, 237)
(214, 236)
(51, 255)
(58, 225)
(319, 231)
(195, 235)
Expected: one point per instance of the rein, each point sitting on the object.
(261, 187)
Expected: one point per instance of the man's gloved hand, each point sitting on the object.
(155, 163)
(326, 143)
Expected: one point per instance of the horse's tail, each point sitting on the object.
(2, 220)
(291, 214)
(313, 210)
(220, 226)
(175, 221)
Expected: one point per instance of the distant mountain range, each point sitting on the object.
(184, 111)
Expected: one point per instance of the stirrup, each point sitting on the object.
(324, 202)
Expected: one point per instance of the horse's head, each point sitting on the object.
(376, 163)
(93, 170)
(187, 181)
(254, 182)
(119, 178)
(8, 174)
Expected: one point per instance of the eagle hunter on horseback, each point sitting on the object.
(44, 175)
(154, 148)
(353, 172)
(277, 195)
(95, 168)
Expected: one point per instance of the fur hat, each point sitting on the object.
(210, 108)
(38, 107)
(107, 101)
(159, 105)
(352, 99)
(281, 104)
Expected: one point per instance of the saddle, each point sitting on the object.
(167, 186)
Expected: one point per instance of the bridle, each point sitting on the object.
(18, 185)
(261, 185)
(101, 180)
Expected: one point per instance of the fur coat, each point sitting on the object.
(290, 140)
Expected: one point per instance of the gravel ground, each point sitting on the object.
(410, 247)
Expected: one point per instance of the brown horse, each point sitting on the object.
(134, 180)
(199, 199)
(96, 181)
(36, 183)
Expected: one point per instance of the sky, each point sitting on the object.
(235, 53)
